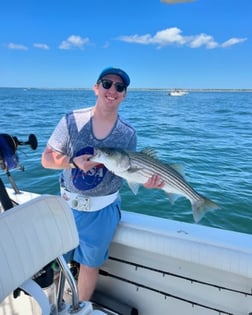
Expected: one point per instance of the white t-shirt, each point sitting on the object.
(74, 136)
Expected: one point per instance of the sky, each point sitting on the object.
(199, 44)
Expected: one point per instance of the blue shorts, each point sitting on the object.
(96, 230)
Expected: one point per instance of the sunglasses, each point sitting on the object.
(106, 84)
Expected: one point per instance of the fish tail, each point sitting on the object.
(201, 207)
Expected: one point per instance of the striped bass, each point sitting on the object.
(137, 167)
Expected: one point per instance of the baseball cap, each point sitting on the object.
(121, 73)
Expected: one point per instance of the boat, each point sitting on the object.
(177, 92)
(156, 265)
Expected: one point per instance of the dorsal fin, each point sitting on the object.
(150, 152)
(179, 169)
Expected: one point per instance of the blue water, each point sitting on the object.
(209, 133)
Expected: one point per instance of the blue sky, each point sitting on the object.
(66, 43)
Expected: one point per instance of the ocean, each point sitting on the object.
(208, 133)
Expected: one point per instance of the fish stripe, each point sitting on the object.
(149, 166)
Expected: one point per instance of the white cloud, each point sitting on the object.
(17, 46)
(203, 40)
(144, 39)
(233, 41)
(74, 41)
(169, 36)
(162, 38)
(41, 46)
(175, 1)
(173, 36)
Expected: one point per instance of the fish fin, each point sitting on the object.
(201, 207)
(150, 152)
(179, 168)
(133, 169)
(172, 197)
(134, 187)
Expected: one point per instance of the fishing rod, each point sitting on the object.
(8, 154)
(32, 141)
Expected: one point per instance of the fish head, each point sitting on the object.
(116, 160)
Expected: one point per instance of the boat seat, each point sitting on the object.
(32, 235)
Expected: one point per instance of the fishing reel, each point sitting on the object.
(8, 147)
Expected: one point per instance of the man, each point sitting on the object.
(89, 188)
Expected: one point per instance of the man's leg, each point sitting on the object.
(86, 282)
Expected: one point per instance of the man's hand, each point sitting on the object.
(154, 182)
(83, 162)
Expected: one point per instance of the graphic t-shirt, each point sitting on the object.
(73, 136)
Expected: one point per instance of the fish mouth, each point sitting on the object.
(96, 153)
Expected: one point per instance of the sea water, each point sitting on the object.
(208, 133)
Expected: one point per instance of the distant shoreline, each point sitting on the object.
(192, 90)
(134, 89)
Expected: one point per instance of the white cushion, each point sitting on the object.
(32, 235)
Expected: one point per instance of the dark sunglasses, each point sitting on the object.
(106, 84)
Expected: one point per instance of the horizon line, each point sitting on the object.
(131, 88)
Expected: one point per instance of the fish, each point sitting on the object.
(137, 167)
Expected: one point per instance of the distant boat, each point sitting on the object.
(177, 93)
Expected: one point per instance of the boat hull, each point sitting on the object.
(160, 266)
(166, 267)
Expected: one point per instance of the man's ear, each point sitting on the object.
(96, 89)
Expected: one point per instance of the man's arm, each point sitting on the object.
(55, 160)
